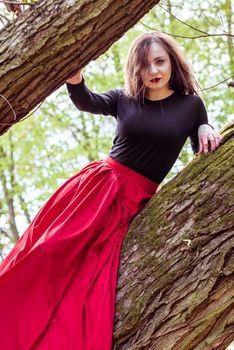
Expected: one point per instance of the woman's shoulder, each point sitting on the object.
(124, 97)
(118, 92)
(192, 99)
(122, 92)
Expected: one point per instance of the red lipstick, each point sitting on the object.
(155, 80)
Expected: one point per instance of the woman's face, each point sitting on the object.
(157, 75)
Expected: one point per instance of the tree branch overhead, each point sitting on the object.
(49, 42)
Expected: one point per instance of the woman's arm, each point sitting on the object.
(203, 134)
(88, 101)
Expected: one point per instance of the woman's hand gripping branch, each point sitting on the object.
(206, 135)
(76, 79)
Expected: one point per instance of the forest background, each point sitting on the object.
(56, 141)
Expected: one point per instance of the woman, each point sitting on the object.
(57, 285)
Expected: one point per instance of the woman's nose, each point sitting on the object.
(153, 69)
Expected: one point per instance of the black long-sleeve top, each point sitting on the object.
(149, 136)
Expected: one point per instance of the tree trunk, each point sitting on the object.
(176, 283)
(10, 205)
(49, 42)
(8, 190)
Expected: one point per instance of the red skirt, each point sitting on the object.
(58, 283)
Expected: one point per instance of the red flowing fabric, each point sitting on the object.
(58, 283)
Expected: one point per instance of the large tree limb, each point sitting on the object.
(51, 41)
(176, 281)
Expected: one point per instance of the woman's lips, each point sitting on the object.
(155, 80)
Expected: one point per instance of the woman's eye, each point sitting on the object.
(160, 61)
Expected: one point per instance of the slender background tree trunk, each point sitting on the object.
(8, 190)
(176, 281)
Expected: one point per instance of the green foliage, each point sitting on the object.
(29, 2)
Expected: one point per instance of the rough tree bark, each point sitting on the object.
(51, 41)
(176, 282)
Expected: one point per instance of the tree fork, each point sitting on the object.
(49, 42)
(176, 283)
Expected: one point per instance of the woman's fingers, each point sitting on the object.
(75, 79)
(204, 140)
(213, 142)
(217, 138)
(212, 139)
(209, 140)
(200, 146)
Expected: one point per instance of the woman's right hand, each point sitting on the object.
(76, 79)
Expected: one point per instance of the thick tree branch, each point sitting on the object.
(176, 275)
(48, 43)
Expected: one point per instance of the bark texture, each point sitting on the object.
(176, 282)
(50, 41)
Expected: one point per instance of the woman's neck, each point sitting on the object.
(158, 95)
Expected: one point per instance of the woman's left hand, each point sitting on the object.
(207, 134)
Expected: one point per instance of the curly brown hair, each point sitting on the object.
(182, 79)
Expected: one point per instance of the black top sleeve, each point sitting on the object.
(96, 103)
(201, 119)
